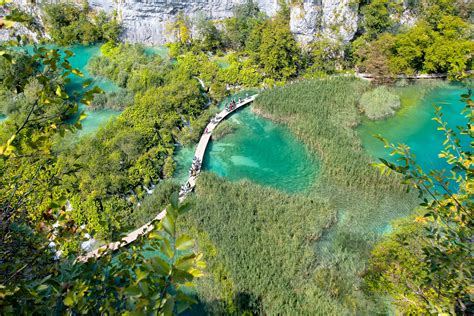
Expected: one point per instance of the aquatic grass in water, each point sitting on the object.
(310, 248)
(379, 103)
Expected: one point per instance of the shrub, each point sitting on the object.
(379, 103)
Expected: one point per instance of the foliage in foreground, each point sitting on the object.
(39, 271)
(425, 265)
(154, 275)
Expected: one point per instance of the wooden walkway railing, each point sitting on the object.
(185, 189)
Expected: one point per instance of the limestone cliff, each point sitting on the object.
(146, 21)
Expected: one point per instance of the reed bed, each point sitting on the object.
(299, 254)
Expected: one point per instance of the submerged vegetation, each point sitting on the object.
(224, 129)
(379, 103)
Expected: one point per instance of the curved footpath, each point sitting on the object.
(190, 184)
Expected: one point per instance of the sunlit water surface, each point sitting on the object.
(413, 125)
(259, 150)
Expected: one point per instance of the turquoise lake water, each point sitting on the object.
(97, 118)
(259, 150)
(269, 154)
(413, 126)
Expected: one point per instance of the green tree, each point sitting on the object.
(451, 51)
(374, 56)
(68, 24)
(246, 17)
(278, 52)
(209, 36)
(324, 57)
(376, 17)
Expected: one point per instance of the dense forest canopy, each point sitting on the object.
(268, 252)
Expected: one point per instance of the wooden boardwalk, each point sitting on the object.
(190, 183)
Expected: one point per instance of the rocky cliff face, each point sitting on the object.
(335, 19)
(147, 21)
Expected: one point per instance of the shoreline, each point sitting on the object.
(367, 76)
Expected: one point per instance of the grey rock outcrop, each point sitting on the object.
(147, 21)
(333, 19)
(35, 31)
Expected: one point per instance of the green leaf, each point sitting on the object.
(42, 287)
(181, 276)
(69, 299)
(161, 265)
(68, 53)
(133, 291)
(174, 200)
(182, 306)
(169, 225)
(86, 83)
(184, 208)
(82, 116)
(168, 307)
(185, 264)
(166, 248)
(141, 274)
(184, 242)
(6, 56)
(77, 72)
(155, 235)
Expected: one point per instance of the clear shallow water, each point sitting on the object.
(413, 126)
(259, 150)
(161, 51)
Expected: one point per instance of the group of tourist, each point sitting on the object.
(185, 189)
(193, 172)
(195, 167)
(232, 105)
